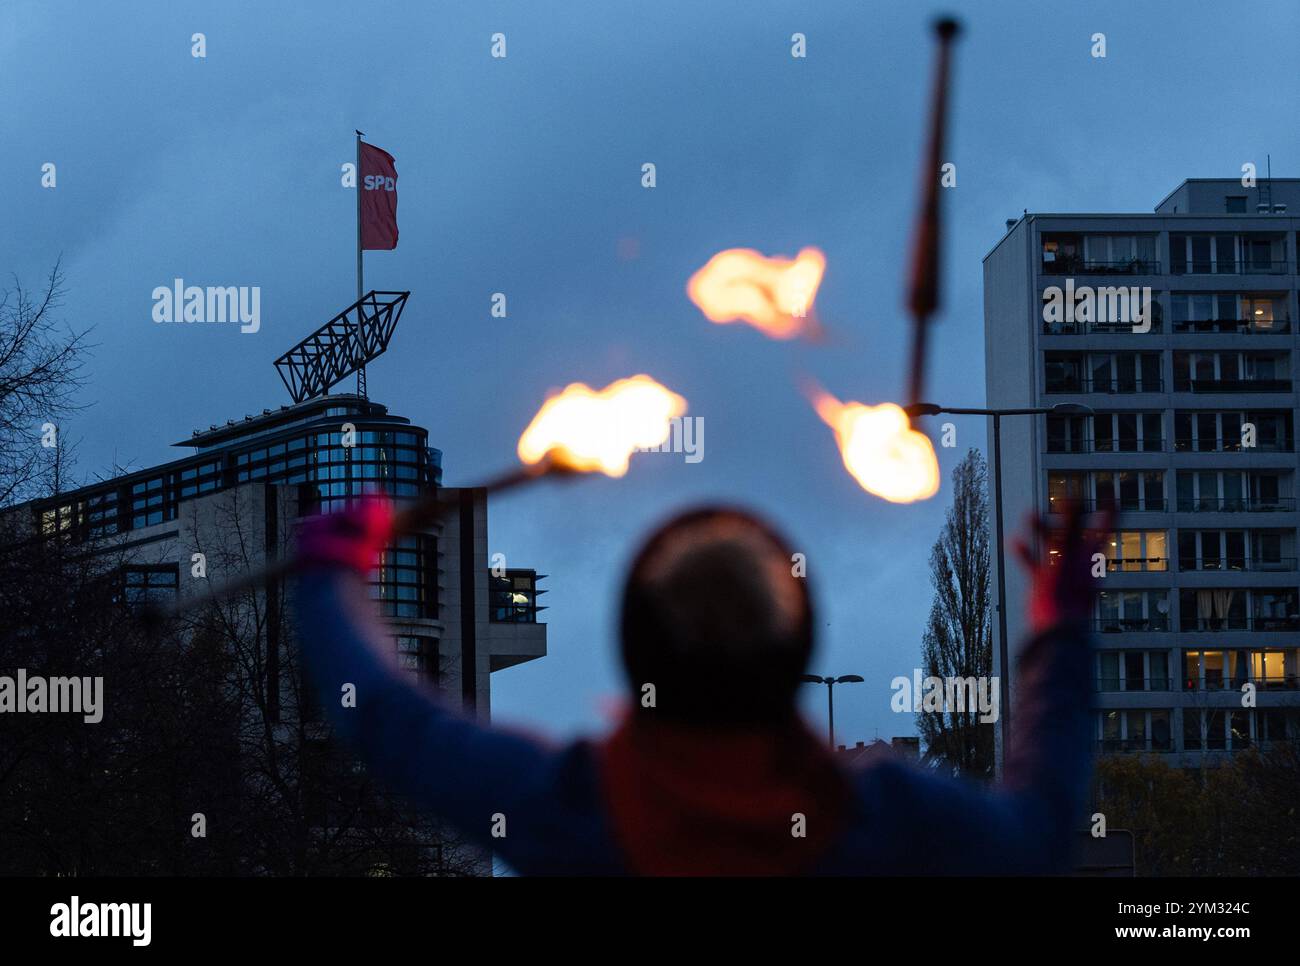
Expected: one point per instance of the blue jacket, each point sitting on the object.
(899, 820)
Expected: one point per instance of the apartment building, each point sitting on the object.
(1179, 414)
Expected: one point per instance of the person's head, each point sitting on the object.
(715, 619)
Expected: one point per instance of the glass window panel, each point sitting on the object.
(1159, 670)
(1161, 739)
(1134, 671)
(1157, 551)
(1191, 729)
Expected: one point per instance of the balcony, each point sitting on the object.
(513, 597)
(1122, 505)
(1114, 386)
(1221, 682)
(1184, 445)
(1113, 685)
(1125, 444)
(1231, 327)
(1099, 328)
(1132, 625)
(1075, 265)
(1137, 565)
(1281, 504)
(1198, 625)
(1242, 564)
(1134, 745)
(1250, 266)
(1232, 385)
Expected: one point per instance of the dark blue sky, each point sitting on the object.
(522, 176)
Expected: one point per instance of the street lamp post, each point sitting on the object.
(1062, 409)
(830, 695)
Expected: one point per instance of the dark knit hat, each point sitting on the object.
(716, 621)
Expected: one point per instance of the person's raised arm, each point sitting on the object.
(475, 778)
(1027, 824)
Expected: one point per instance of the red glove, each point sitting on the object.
(1063, 583)
(351, 538)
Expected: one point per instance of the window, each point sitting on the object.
(1127, 432)
(1271, 725)
(514, 597)
(1203, 431)
(1108, 678)
(1221, 729)
(1137, 550)
(1129, 491)
(405, 583)
(1268, 669)
(419, 654)
(1132, 671)
(1228, 490)
(1212, 610)
(1202, 254)
(1212, 550)
(1273, 610)
(1264, 313)
(146, 584)
(1135, 730)
(1108, 372)
(1064, 487)
(1234, 205)
(1193, 729)
(1132, 610)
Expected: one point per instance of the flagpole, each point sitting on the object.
(361, 370)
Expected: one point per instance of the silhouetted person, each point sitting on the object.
(712, 771)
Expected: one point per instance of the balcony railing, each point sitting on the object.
(1117, 745)
(1185, 445)
(1232, 326)
(1196, 625)
(1113, 684)
(1250, 266)
(1112, 386)
(1222, 682)
(1074, 265)
(1133, 565)
(1132, 625)
(1220, 564)
(1127, 444)
(1281, 504)
(1099, 328)
(1117, 506)
(1232, 385)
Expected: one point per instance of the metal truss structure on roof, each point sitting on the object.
(341, 346)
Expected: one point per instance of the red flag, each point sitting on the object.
(378, 186)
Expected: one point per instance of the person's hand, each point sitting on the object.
(1062, 577)
(351, 538)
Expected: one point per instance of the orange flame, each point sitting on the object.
(775, 295)
(880, 449)
(586, 429)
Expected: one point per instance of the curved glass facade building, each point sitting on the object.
(448, 612)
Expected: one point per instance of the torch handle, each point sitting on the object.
(923, 289)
